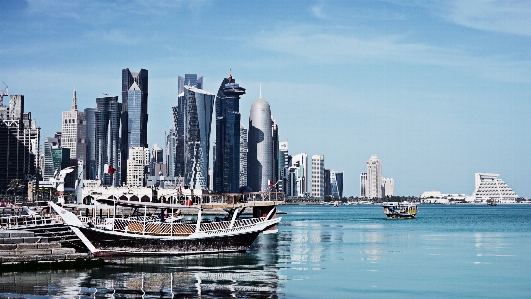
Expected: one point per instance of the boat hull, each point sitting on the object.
(112, 244)
(404, 216)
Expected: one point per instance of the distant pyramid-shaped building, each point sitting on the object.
(490, 188)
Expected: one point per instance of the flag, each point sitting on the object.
(109, 169)
(271, 184)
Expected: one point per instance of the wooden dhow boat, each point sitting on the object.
(150, 234)
(400, 209)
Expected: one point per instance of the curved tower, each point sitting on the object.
(260, 144)
(227, 156)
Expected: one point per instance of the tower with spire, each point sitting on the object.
(260, 170)
(73, 133)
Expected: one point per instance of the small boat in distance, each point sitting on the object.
(399, 209)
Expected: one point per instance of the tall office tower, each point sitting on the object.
(227, 154)
(73, 131)
(260, 156)
(19, 143)
(179, 119)
(243, 155)
(299, 167)
(198, 107)
(276, 150)
(388, 187)
(363, 184)
(107, 143)
(339, 182)
(170, 153)
(134, 114)
(333, 184)
(90, 172)
(73, 137)
(282, 164)
(135, 165)
(327, 185)
(374, 178)
(318, 176)
(49, 144)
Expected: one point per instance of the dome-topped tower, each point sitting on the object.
(260, 145)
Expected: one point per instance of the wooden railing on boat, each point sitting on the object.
(171, 229)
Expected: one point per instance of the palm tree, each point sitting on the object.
(15, 185)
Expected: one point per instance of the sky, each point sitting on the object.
(438, 90)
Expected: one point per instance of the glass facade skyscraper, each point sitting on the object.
(198, 106)
(179, 119)
(107, 143)
(90, 163)
(134, 116)
(227, 156)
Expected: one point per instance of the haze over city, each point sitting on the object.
(437, 90)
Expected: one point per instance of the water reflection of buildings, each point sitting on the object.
(252, 274)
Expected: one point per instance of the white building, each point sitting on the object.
(73, 131)
(374, 178)
(260, 168)
(135, 166)
(489, 187)
(299, 175)
(318, 176)
(388, 187)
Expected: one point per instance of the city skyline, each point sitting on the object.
(439, 91)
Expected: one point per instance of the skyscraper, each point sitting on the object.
(90, 172)
(388, 187)
(243, 155)
(73, 131)
(260, 156)
(19, 143)
(73, 137)
(198, 108)
(227, 155)
(276, 150)
(374, 178)
(179, 113)
(49, 144)
(318, 176)
(363, 184)
(299, 172)
(283, 164)
(134, 116)
(107, 143)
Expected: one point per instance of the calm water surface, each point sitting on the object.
(457, 251)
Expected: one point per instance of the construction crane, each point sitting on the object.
(3, 93)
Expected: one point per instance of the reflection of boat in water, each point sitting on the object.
(144, 234)
(399, 209)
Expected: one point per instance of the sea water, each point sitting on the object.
(448, 251)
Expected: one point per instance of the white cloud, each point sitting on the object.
(318, 12)
(315, 45)
(512, 17)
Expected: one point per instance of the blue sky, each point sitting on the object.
(438, 90)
